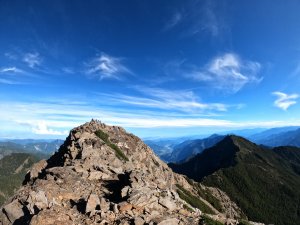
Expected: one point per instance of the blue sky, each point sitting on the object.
(157, 68)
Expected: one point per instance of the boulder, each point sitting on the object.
(172, 221)
(104, 205)
(37, 201)
(92, 202)
(36, 169)
(125, 206)
(168, 203)
(13, 211)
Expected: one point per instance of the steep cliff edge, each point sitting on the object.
(104, 175)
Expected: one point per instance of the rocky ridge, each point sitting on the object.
(104, 175)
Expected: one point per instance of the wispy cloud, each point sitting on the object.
(173, 21)
(296, 71)
(10, 70)
(8, 81)
(107, 67)
(284, 101)
(47, 119)
(68, 70)
(155, 98)
(210, 21)
(11, 55)
(32, 59)
(8, 75)
(54, 118)
(228, 73)
(199, 17)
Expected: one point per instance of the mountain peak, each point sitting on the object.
(102, 174)
(240, 167)
(224, 154)
(243, 145)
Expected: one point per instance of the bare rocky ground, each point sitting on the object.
(118, 180)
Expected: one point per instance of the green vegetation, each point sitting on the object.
(12, 172)
(118, 151)
(207, 195)
(105, 137)
(264, 186)
(244, 222)
(205, 220)
(193, 200)
(102, 135)
(263, 182)
(188, 208)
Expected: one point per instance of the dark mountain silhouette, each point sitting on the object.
(264, 182)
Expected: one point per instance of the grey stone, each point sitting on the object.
(92, 202)
(172, 221)
(13, 211)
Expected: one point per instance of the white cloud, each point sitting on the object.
(41, 127)
(32, 59)
(284, 101)
(105, 66)
(47, 118)
(155, 98)
(228, 73)
(11, 70)
(10, 75)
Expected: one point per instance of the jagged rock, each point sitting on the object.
(139, 221)
(115, 208)
(97, 175)
(36, 169)
(168, 203)
(110, 179)
(13, 211)
(92, 202)
(37, 201)
(104, 205)
(172, 221)
(48, 217)
(124, 191)
(232, 210)
(124, 206)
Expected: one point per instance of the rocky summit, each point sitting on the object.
(104, 175)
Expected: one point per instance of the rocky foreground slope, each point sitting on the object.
(103, 175)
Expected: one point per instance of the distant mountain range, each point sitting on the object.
(41, 147)
(190, 148)
(269, 132)
(183, 148)
(278, 137)
(263, 182)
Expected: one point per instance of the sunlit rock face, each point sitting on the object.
(101, 175)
